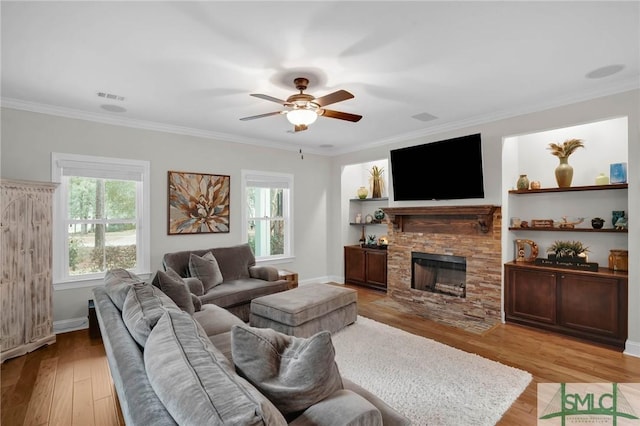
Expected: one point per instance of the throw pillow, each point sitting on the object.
(118, 282)
(196, 383)
(293, 372)
(197, 304)
(142, 309)
(195, 285)
(174, 286)
(205, 268)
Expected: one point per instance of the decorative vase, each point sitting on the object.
(597, 223)
(602, 179)
(564, 173)
(362, 192)
(376, 188)
(523, 182)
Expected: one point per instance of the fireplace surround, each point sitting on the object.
(469, 232)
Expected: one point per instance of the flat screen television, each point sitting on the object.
(445, 170)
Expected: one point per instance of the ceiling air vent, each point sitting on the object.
(110, 96)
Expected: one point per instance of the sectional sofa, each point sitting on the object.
(174, 361)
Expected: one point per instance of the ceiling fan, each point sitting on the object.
(303, 109)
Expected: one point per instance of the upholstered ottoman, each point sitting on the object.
(306, 310)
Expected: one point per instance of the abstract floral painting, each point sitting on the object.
(198, 203)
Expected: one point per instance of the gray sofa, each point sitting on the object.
(175, 366)
(241, 280)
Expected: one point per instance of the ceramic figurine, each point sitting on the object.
(615, 215)
(621, 223)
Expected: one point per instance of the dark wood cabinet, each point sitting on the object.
(354, 265)
(531, 295)
(364, 266)
(583, 304)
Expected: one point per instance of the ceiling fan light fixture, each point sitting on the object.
(302, 117)
(303, 109)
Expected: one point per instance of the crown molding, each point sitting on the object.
(436, 128)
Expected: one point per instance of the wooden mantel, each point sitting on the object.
(465, 220)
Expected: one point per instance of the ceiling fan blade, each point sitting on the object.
(269, 98)
(253, 117)
(300, 127)
(340, 115)
(332, 98)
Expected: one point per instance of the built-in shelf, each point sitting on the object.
(571, 189)
(547, 229)
(370, 199)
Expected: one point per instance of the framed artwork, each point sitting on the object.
(618, 173)
(198, 203)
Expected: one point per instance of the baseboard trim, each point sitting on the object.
(632, 348)
(71, 324)
(336, 279)
(325, 279)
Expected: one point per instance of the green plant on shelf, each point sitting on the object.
(568, 249)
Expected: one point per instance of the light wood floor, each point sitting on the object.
(68, 383)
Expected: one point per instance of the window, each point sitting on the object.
(268, 218)
(101, 216)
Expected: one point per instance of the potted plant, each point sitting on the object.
(573, 251)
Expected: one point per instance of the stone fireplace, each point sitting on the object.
(472, 233)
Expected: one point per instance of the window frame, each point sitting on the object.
(108, 168)
(266, 177)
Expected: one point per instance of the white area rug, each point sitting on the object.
(429, 382)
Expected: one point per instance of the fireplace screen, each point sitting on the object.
(439, 273)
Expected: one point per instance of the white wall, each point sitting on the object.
(28, 139)
(619, 105)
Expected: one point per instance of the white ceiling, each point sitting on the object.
(189, 67)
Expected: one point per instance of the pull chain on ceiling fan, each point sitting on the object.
(304, 109)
